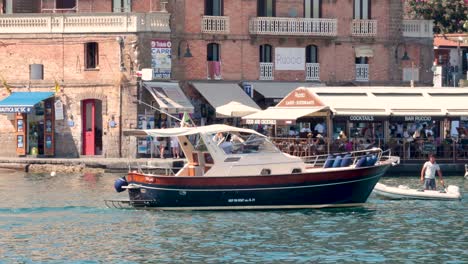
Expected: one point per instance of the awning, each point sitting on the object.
(169, 97)
(276, 90)
(235, 109)
(22, 102)
(364, 51)
(280, 115)
(218, 94)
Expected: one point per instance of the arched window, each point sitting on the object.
(266, 54)
(312, 8)
(362, 9)
(213, 52)
(311, 54)
(266, 8)
(214, 8)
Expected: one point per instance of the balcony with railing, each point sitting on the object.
(215, 25)
(364, 28)
(293, 26)
(312, 71)
(362, 72)
(418, 28)
(266, 71)
(84, 23)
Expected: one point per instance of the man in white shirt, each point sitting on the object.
(319, 128)
(428, 173)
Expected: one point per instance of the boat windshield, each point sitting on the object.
(241, 143)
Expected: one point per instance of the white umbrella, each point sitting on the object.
(235, 109)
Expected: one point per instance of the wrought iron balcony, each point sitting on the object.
(293, 26)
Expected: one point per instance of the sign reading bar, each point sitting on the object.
(292, 59)
(15, 109)
(418, 118)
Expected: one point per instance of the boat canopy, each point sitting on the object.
(185, 131)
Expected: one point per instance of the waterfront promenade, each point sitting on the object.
(101, 164)
(84, 164)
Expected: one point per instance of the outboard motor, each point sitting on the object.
(119, 183)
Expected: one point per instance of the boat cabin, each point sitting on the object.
(221, 150)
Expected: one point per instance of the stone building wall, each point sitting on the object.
(63, 60)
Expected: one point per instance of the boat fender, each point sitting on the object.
(346, 161)
(337, 161)
(119, 183)
(361, 162)
(329, 162)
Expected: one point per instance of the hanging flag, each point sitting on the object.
(186, 120)
(5, 85)
(56, 87)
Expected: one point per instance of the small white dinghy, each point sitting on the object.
(452, 192)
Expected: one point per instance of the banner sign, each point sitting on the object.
(58, 110)
(15, 109)
(292, 59)
(161, 59)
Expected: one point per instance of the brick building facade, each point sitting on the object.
(92, 50)
(330, 33)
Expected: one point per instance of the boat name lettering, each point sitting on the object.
(260, 122)
(361, 118)
(418, 118)
(241, 200)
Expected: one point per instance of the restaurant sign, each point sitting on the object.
(300, 98)
(15, 109)
(268, 122)
(418, 118)
(362, 118)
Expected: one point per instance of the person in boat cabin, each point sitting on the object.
(218, 138)
(428, 173)
(226, 145)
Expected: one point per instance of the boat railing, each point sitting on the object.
(319, 160)
(149, 168)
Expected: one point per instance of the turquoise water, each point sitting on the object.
(63, 219)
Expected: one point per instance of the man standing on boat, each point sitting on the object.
(428, 173)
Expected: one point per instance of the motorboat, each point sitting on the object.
(452, 192)
(230, 168)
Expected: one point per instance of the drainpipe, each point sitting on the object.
(120, 120)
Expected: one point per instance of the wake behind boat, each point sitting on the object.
(234, 168)
(452, 192)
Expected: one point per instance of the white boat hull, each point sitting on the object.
(402, 192)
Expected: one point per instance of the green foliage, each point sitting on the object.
(450, 16)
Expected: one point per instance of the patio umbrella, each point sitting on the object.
(235, 109)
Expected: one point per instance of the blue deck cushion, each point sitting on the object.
(329, 162)
(337, 161)
(371, 160)
(361, 162)
(346, 161)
